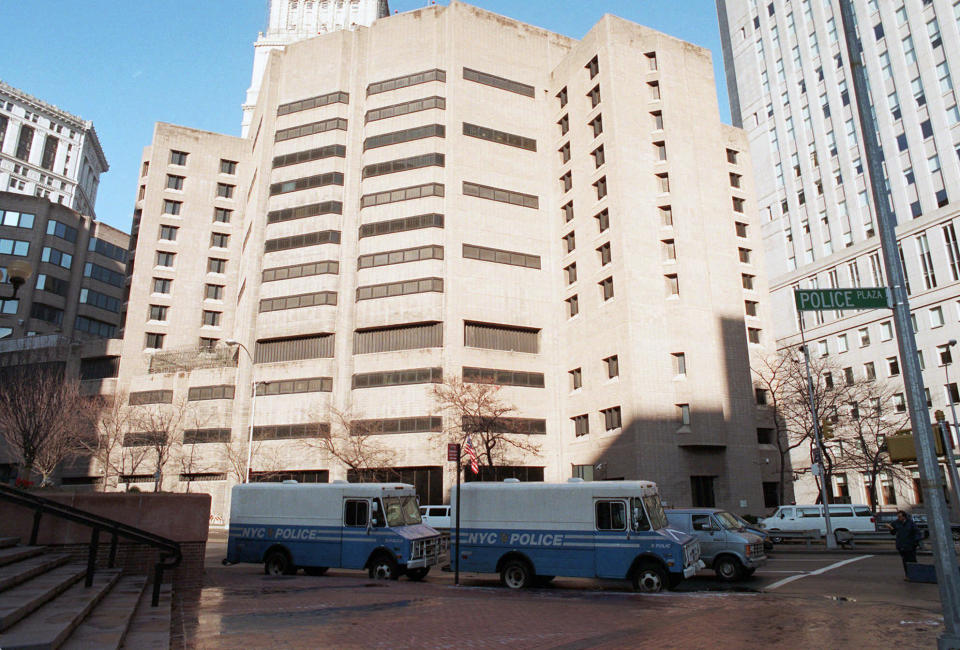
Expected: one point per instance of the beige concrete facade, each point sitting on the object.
(677, 282)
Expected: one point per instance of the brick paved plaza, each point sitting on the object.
(864, 603)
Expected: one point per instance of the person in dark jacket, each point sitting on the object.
(908, 538)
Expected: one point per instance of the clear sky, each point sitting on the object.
(125, 64)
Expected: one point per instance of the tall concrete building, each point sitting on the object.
(290, 21)
(48, 152)
(566, 219)
(791, 89)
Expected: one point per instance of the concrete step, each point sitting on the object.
(106, 625)
(7, 542)
(150, 627)
(19, 601)
(19, 572)
(13, 554)
(50, 625)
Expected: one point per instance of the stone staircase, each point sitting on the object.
(44, 604)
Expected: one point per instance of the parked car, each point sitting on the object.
(852, 517)
(437, 517)
(756, 530)
(725, 544)
(920, 518)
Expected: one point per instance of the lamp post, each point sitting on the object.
(253, 404)
(947, 359)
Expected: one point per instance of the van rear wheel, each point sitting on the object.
(649, 578)
(277, 563)
(384, 567)
(516, 574)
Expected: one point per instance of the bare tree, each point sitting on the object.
(107, 420)
(235, 459)
(859, 443)
(355, 443)
(190, 460)
(159, 428)
(784, 377)
(40, 416)
(477, 410)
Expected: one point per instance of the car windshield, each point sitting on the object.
(401, 511)
(728, 521)
(655, 512)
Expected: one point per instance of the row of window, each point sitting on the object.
(612, 367)
(298, 301)
(303, 240)
(406, 135)
(304, 211)
(612, 420)
(306, 183)
(320, 153)
(404, 164)
(300, 270)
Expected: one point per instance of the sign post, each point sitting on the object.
(453, 453)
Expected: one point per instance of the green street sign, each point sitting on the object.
(827, 299)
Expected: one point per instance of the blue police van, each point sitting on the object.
(374, 526)
(531, 532)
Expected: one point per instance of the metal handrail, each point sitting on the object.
(169, 549)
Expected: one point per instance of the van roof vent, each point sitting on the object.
(575, 479)
(289, 481)
(511, 480)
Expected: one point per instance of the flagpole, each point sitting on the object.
(456, 558)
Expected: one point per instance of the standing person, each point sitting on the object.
(908, 538)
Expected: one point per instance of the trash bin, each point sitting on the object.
(917, 572)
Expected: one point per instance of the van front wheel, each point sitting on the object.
(383, 567)
(728, 569)
(649, 578)
(516, 574)
(417, 574)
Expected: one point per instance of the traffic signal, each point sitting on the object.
(826, 429)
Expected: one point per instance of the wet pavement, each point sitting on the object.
(835, 600)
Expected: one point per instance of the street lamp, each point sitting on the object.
(253, 403)
(18, 272)
(946, 357)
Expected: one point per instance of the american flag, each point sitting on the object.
(474, 465)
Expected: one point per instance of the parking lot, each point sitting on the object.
(800, 597)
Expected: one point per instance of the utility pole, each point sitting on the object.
(945, 558)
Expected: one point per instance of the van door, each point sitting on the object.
(611, 546)
(357, 540)
(710, 534)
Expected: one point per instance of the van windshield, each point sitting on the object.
(401, 511)
(728, 521)
(655, 512)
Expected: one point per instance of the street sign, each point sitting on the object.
(827, 299)
(453, 452)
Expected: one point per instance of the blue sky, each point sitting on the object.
(125, 64)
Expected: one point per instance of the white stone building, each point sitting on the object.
(48, 152)
(290, 21)
(791, 89)
(567, 219)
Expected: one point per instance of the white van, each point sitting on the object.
(854, 518)
(437, 517)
